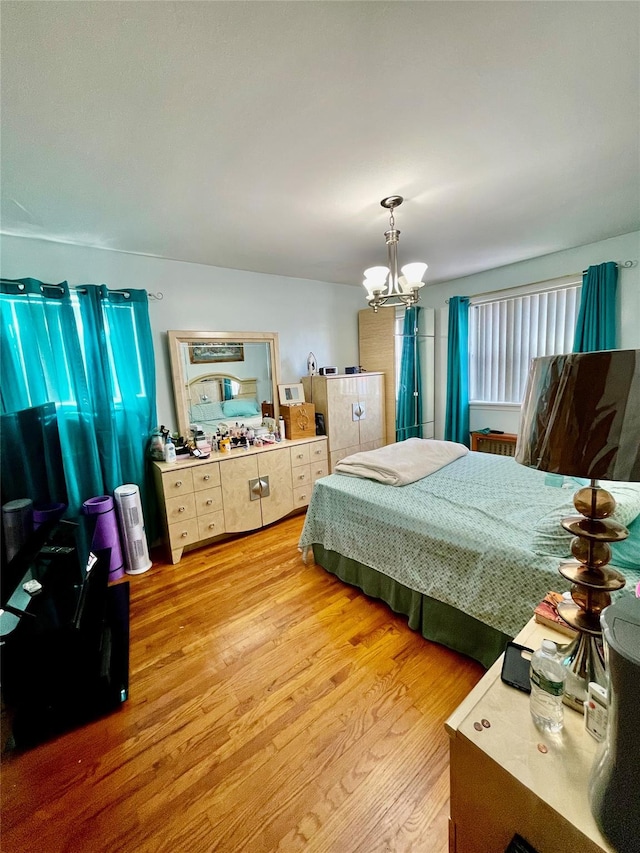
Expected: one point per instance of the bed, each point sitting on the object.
(219, 400)
(465, 553)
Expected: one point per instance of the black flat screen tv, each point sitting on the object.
(31, 456)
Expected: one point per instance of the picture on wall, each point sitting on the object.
(212, 352)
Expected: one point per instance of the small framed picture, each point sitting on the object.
(289, 395)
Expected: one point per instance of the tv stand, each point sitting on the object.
(64, 650)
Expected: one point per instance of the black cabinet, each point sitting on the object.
(65, 649)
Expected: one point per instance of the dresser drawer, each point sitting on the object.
(211, 525)
(206, 476)
(301, 475)
(177, 482)
(318, 451)
(302, 494)
(300, 455)
(208, 501)
(319, 469)
(183, 533)
(181, 507)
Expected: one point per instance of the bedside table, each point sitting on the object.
(503, 784)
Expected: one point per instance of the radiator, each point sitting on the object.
(502, 445)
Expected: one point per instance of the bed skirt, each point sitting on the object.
(436, 621)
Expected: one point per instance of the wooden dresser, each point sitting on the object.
(353, 406)
(237, 491)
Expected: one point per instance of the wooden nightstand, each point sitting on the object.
(502, 784)
(502, 443)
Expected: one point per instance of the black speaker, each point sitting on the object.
(320, 427)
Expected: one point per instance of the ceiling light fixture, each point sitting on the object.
(383, 284)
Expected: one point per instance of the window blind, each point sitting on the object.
(506, 333)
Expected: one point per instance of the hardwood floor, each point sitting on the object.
(271, 708)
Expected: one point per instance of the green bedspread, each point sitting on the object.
(462, 535)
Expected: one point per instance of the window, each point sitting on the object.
(508, 329)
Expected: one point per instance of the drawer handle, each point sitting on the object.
(178, 483)
(317, 452)
(212, 525)
(207, 477)
(303, 497)
(300, 456)
(184, 534)
(301, 477)
(209, 502)
(181, 508)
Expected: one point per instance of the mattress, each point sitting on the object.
(463, 536)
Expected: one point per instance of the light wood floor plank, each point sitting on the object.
(272, 708)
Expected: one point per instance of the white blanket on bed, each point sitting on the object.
(401, 463)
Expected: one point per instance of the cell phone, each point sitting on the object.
(515, 667)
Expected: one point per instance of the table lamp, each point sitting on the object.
(581, 418)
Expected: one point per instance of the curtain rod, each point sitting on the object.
(626, 264)
(158, 296)
(552, 284)
(80, 288)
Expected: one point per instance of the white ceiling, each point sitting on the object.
(263, 135)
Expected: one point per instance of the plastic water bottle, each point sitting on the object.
(547, 686)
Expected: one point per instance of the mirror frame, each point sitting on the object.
(177, 338)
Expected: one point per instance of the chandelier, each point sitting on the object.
(383, 284)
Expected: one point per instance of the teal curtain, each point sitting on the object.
(596, 323)
(409, 403)
(123, 385)
(90, 352)
(456, 427)
(227, 391)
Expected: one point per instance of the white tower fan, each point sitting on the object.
(129, 508)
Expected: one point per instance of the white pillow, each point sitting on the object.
(549, 537)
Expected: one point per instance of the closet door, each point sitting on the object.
(344, 431)
(371, 399)
(377, 345)
(381, 342)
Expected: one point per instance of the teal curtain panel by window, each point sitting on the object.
(90, 352)
(121, 369)
(41, 362)
(596, 323)
(409, 403)
(456, 426)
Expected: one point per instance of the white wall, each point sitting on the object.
(307, 315)
(619, 249)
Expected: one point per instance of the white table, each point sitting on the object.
(501, 781)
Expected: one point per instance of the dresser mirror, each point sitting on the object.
(223, 377)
